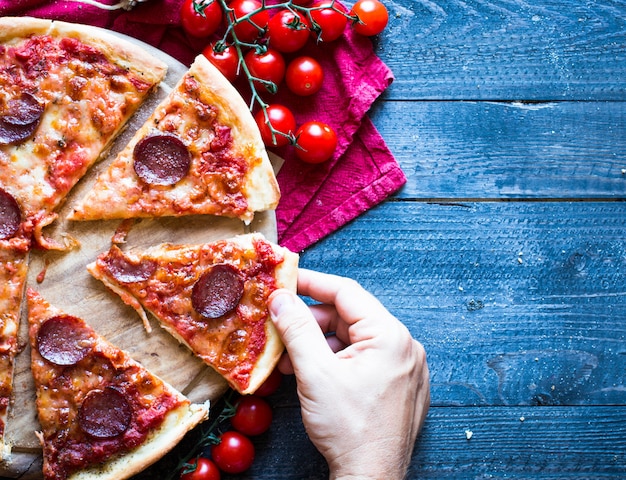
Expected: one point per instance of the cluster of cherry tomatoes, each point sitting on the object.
(234, 452)
(256, 42)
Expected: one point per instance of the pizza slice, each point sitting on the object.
(212, 297)
(13, 270)
(66, 91)
(102, 414)
(199, 153)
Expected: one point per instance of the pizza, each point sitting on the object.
(13, 270)
(102, 414)
(199, 153)
(212, 297)
(66, 91)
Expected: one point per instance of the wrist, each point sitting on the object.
(369, 463)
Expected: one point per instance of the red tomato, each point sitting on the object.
(234, 453)
(200, 21)
(205, 470)
(373, 17)
(248, 30)
(288, 31)
(271, 383)
(282, 121)
(304, 76)
(317, 142)
(226, 61)
(253, 416)
(331, 21)
(268, 66)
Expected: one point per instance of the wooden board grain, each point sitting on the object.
(61, 277)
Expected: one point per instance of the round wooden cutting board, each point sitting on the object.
(67, 285)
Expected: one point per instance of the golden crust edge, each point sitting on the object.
(286, 277)
(20, 27)
(262, 188)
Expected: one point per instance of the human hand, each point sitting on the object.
(364, 391)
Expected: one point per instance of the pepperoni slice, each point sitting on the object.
(217, 292)
(161, 159)
(11, 133)
(105, 413)
(125, 271)
(20, 119)
(10, 215)
(23, 111)
(64, 340)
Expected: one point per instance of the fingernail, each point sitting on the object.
(280, 302)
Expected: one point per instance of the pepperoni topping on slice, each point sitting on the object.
(64, 340)
(20, 119)
(125, 271)
(105, 413)
(10, 215)
(161, 159)
(23, 111)
(217, 292)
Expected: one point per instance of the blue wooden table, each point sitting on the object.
(505, 252)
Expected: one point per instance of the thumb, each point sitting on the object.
(300, 332)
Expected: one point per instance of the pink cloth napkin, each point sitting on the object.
(316, 199)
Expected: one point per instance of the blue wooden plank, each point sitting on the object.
(514, 50)
(516, 303)
(507, 442)
(507, 150)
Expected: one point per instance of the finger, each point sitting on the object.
(286, 367)
(352, 301)
(330, 322)
(299, 331)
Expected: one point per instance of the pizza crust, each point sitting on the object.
(286, 277)
(124, 53)
(262, 188)
(17, 28)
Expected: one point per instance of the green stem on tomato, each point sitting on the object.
(256, 99)
(208, 437)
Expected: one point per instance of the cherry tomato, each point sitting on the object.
(330, 21)
(304, 76)
(248, 30)
(317, 142)
(226, 61)
(234, 453)
(253, 416)
(205, 470)
(281, 119)
(268, 66)
(199, 24)
(288, 31)
(271, 383)
(373, 17)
